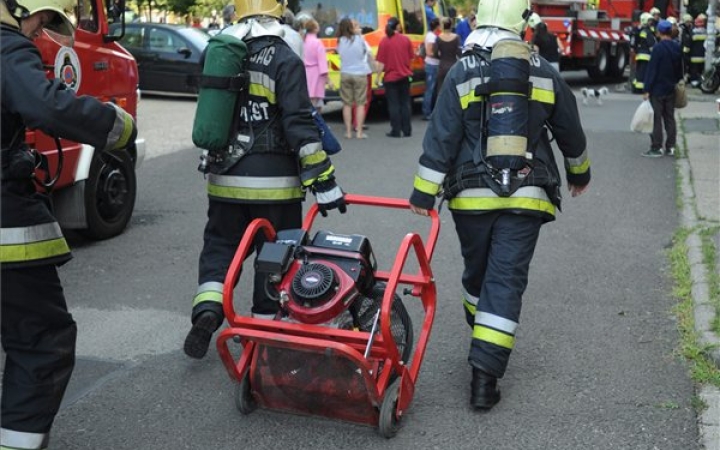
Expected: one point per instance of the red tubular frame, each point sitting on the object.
(349, 344)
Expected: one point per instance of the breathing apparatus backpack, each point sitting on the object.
(223, 91)
(502, 160)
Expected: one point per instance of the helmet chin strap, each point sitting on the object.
(19, 12)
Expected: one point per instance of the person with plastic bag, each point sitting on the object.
(662, 75)
(497, 171)
(38, 332)
(267, 180)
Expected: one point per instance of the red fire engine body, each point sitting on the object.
(95, 192)
(593, 35)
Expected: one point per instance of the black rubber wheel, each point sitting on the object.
(601, 63)
(616, 67)
(244, 401)
(389, 422)
(710, 83)
(110, 192)
(400, 322)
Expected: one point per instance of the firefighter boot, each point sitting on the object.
(484, 393)
(198, 339)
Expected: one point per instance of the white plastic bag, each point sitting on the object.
(642, 121)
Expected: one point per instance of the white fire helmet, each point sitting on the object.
(645, 17)
(64, 22)
(511, 15)
(534, 20)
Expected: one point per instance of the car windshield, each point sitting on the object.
(328, 14)
(197, 37)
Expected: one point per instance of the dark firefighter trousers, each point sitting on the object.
(497, 248)
(225, 228)
(38, 337)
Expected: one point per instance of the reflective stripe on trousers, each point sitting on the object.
(16, 440)
(32, 243)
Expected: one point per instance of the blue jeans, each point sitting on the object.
(431, 72)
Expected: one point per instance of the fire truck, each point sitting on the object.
(593, 34)
(94, 191)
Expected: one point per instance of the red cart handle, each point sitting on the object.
(385, 202)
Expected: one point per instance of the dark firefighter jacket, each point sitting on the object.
(456, 128)
(644, 43)
(287, 154)
(30, 234)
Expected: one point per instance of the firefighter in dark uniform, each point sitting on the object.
(686, 28)
(644, 41)
(697, 50)
(270, 180)
(38, 332)
(498, 228)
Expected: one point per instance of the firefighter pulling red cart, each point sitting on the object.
(341, 345)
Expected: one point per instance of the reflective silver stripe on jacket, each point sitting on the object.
(20, 439)
(31, 234)
(469, 86)
(430, 175)
(254, 182)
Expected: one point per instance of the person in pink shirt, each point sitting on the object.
(395, 52)
(316, 65)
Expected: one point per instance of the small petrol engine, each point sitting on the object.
(318, 281)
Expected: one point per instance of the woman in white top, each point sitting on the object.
(355, 57)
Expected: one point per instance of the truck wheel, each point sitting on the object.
(616, 68)
(601, 63)
(109, 194)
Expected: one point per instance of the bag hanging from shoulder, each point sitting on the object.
(681, 99)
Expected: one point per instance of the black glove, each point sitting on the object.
(329, 196)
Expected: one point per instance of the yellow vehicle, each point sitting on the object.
(372, 15)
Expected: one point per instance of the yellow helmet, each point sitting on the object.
(654, 11)
(250, 8)
(64, 21)
(511, 15)
(672, 20)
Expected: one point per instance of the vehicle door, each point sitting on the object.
(133, 43)
(170, 60)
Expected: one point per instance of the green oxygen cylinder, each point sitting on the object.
(223, 83)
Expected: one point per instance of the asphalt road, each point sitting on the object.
(596, 364)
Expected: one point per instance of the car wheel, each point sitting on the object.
(110, 192)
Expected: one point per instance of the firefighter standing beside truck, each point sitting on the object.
(488, 152)
(38, 332)
(643, 44)
(277, 156)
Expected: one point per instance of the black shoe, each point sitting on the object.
(392, 135)
(484, 393)
(200, 335)
(407, 134)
